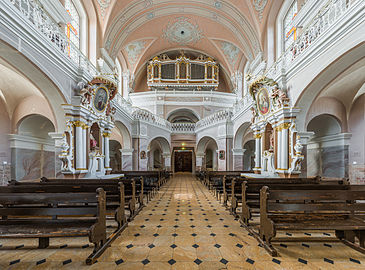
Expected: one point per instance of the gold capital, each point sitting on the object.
(257, 136)
(106, 134)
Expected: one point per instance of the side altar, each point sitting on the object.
(89, 121)
(278, 145)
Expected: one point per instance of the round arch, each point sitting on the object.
(203, 143)
(240, 133)
(323, 79)
(185, 113)
(140, 70)
(127, 139)
(162, 142)
(246, 34)
(206, 150)
(324, 125)
(43, 80)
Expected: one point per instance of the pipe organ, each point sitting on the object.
(182, 73)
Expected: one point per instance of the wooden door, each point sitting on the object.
(183, 161)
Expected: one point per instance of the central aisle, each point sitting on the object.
(185, 227)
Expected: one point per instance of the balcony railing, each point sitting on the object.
(123, 104)
(327, 18)
(146, 116)
(214, 118)
(183, 128)
(44, 24)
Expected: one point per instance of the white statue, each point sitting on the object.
(65, 156)
(296, 164)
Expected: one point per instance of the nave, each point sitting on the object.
(184, 227)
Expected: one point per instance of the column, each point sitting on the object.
(84, 143)
(279, 146)
(106, 150)
(199, 162)
(238, 159)
(167, 162)
(261, 150)
(58, 139)
(127, 159)
(284, 146)
(79, 145)
(304, 139)
(257, 151)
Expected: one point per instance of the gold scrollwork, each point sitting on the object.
(106, 135)
(78, 123)
(257, 136)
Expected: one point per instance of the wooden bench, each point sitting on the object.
(237, 193)
(154, 176)
(218, 182)
(130, 190)
(115, 194)
(338, 210)
(247, 191)
(47, 215)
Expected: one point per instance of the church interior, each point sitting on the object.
(195, 134)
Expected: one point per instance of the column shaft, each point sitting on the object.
(79, 148)
(258, 152)
(106, 151)
(285, 148)
(279, 149)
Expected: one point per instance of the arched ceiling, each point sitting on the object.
(228, 30)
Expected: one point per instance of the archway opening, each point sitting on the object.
(115, 156)
(33, 152)
(249, 155)
(327, 151)
(159, 154)
(207, 154)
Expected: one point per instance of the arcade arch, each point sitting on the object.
(206, 153)
(159, 154)
(32, 149)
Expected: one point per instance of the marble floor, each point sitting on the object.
(183, 227)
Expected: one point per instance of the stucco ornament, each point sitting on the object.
(260, 6)
(182, 31)
(134, 50)
(230, 51)
(104, 5)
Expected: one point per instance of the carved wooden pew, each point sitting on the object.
(46, 215)
(247, 191)
(338, 210)
(130, 190)
(255, 184)
(214, 180)
(156, 176)
(115, 194)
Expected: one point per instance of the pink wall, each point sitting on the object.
(4, 131)
(357, 128)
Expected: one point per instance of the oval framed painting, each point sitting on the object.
(263, 101)
(101, 99)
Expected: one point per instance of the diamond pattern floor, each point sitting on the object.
(183, 227)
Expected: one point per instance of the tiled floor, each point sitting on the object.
(184, 227)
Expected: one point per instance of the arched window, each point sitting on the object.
(73, 28)
(290, 31)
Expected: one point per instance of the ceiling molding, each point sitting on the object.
(227, 15)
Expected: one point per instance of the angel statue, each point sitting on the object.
(86, 94)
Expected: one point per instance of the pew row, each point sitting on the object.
(48, 215)
(341, 211)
